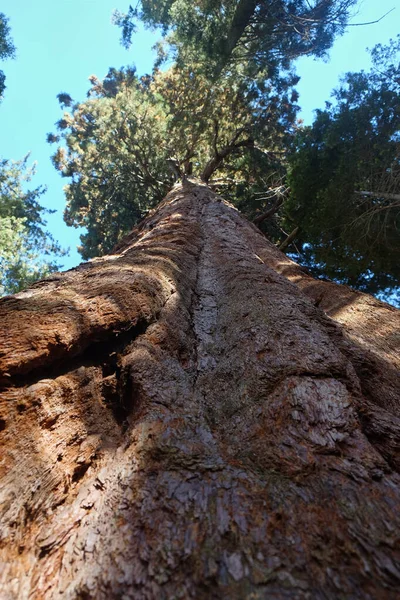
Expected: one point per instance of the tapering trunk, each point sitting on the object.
(244, 11)
(179, 420)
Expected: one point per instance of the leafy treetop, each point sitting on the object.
(120, 142)
(263, 35)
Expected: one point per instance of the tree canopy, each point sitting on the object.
(262, 35)
(119, 144)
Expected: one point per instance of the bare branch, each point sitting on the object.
(370, 22)
(215, 139)
(289, 239)
(269, 213)
(217, 160)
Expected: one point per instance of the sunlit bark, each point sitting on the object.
(179, 420)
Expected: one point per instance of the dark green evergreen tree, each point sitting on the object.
(345, 180)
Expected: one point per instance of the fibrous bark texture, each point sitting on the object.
(180, 420)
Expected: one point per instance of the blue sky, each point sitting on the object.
(60, 43)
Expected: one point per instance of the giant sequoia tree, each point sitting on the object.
(193, 415)
(180, 420)
(332, 189)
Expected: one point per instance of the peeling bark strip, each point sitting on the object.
(178, 420)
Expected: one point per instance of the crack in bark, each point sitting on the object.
(205, 307)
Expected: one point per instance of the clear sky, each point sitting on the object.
(60, 43)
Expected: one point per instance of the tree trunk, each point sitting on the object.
(179, 420)
(243, 13)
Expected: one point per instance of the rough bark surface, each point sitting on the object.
(179, 420)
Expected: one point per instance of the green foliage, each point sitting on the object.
(115, 156)
(345, 179)
(24, 242)
(7, 49)
(215, 34)
(117, 143)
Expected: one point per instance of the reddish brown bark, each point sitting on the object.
(179, 420)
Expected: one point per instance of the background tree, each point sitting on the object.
(27, 251)
(7, 49)
(345, 180)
